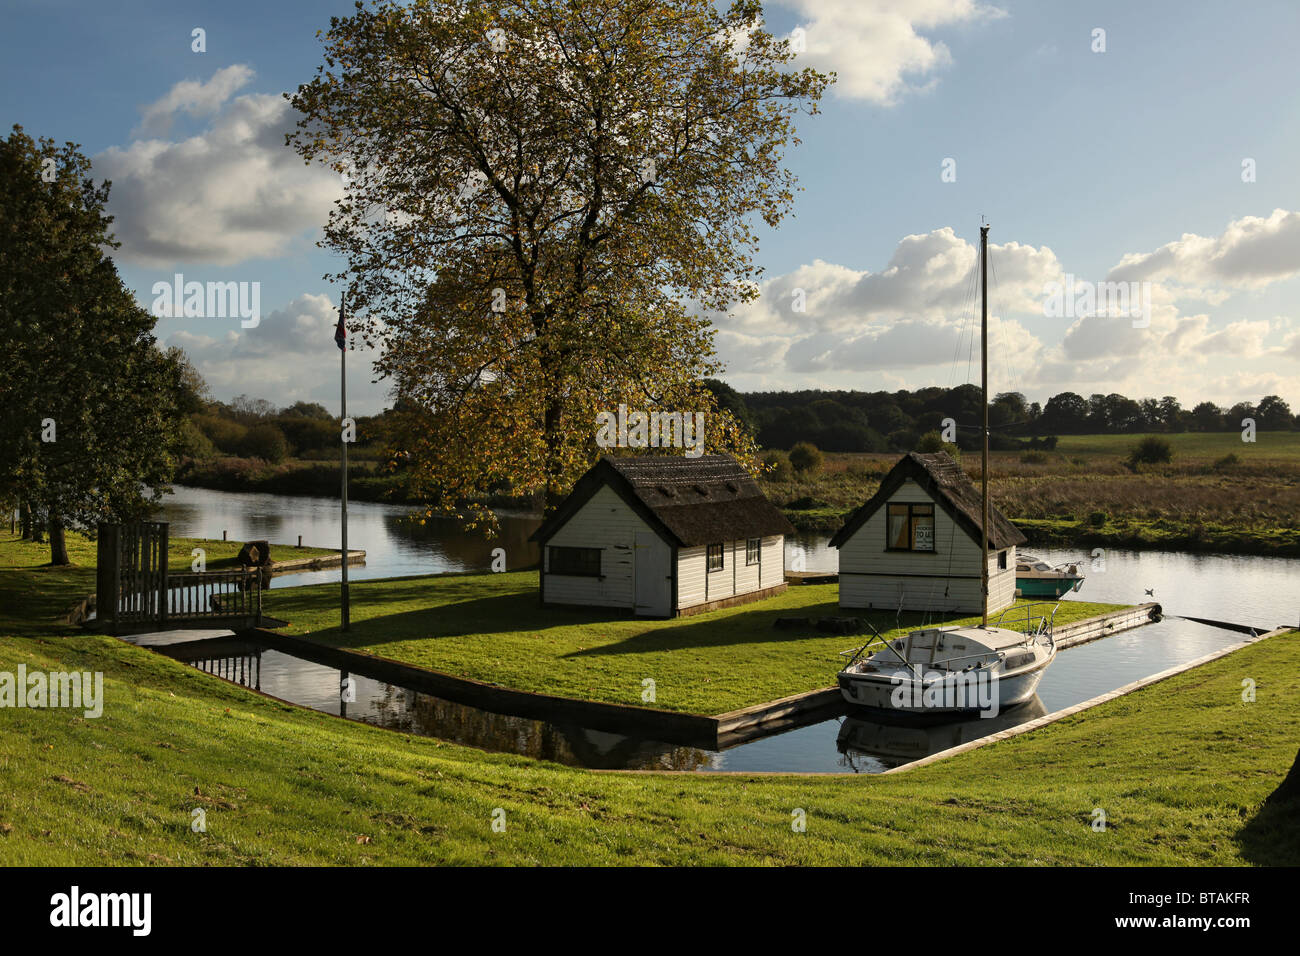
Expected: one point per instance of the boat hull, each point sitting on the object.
(1046, 587)
(878, 692)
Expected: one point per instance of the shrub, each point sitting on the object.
(1098, 518)
(806, 503)
(806, 458)
(267, 443)
(932, 442)
(1228, 461)
(1152, 450)
(929, 443)
(1033, 458)
(194, 443)
(228, 436)
(778, 466)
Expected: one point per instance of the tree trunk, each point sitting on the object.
(25, 519)
(58, 546)
(554, 460)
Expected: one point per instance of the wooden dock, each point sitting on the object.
(320, 563)
(811, 577)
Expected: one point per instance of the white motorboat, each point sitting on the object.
(954, 670)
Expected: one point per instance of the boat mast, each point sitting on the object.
(984, 404)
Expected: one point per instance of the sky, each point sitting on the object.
(1163, 151)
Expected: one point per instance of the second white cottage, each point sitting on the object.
(915, 545)
(663, 536)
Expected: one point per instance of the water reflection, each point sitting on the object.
(398, 708)
(872, 743)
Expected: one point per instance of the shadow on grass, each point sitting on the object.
(496, 614)
(753, 626)
(1272, 837)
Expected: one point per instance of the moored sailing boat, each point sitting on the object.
(955, 670)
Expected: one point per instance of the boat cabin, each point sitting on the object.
(663, 536)
(915, 545)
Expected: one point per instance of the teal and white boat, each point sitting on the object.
(1036, 578)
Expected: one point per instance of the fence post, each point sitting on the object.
(163, 592)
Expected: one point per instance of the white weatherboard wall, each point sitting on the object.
(734, 579)
(870, 576)
(604, 522)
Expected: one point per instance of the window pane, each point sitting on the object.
(923, 531)
(898, 526)
(715, 557)
(575, 561)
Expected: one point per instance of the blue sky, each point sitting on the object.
(1125, 164)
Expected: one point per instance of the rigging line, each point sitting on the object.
(963, 324)
(973, 297)
(1008, 365)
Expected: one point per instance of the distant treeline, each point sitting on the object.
(254, 428)
(895, 421)
(838, 421)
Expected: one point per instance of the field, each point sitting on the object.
(1181, 768)
(1084, 493)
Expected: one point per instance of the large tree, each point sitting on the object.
(90, 409)
(543, 197)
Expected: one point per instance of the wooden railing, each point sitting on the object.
(214, 594)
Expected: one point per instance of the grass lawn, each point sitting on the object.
(1181, 769)
(490, 627)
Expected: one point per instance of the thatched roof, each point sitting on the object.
(688, 501)
(946, 483)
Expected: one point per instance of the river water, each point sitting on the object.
(1255, 591)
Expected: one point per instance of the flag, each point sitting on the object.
(341, 332)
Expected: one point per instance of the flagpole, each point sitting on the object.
(343, 396)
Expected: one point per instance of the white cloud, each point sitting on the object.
(1251, 253)
(908, 315)
(290, 356)
(911, 324)
(195, 97)
(233, 193)
(877, 46)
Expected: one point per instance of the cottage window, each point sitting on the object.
(715, 557)
(753, 551)
(910, 527)
(579, 562)
(1002, 560)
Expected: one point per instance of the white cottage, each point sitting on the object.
(663, 536)
(916, 544)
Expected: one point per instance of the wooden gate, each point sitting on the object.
(134, 592)
(131, 579)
